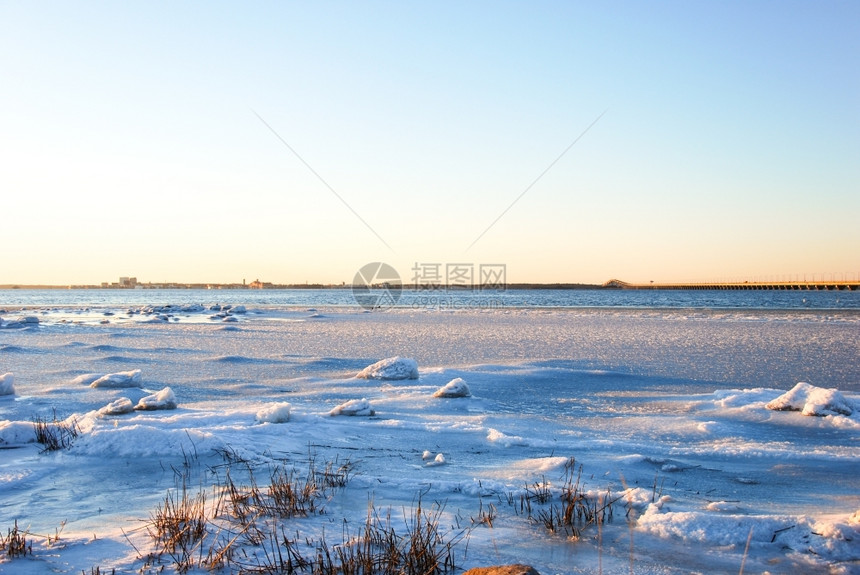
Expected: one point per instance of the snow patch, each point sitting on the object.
(119, 407)
(835, 540)
(119, 380)
(811, 400)
(742, 398)
(359, 407)
(275, 413)
(392, 368)
(538, 465)
(454, 388)
(87, 378)
(16, 433)
(7, 384)
(723, 507)
(496, 436)
(437, 461)
(21, 322)
(164, 399)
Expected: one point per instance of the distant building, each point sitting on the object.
(127, 282)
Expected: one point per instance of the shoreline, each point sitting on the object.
(346, 309)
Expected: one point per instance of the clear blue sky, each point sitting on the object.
(130, 142)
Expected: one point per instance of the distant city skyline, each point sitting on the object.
(572, 142)
(824, 281)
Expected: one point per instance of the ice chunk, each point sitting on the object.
(723, 507)
(454, 388)
(15, 433)
(119, 380)
(275, 413)
(87, 378)
(438, 460)
(26, 321)
(7, 384)
(360, 407)
(811, 400)
(164, 399)
(391, 368)
(496, 436)
(21, 322)
(823, 401)
(118, 407)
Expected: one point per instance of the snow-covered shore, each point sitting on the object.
(680, 416)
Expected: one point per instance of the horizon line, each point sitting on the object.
(613, 283)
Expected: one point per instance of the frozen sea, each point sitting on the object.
(660, 398)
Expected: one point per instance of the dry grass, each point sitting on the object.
(55, 435)
(289, 496)
(568, 510)
(14, 544)
(178, 525)
(242, 528)
(422, 548)
(485, 516)
(335, 474)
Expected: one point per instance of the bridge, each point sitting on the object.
(833, 285)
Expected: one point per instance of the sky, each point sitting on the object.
(295, 142)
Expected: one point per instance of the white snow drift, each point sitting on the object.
(7, 384)
(811, 400)
(118, 380)
(118, 407)
(275, 413)
(87, 378)
(436, 461)
(16, 433)
(21, 322)
(360, 407)
(164, 399)
(392, 368)
(454, 388)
